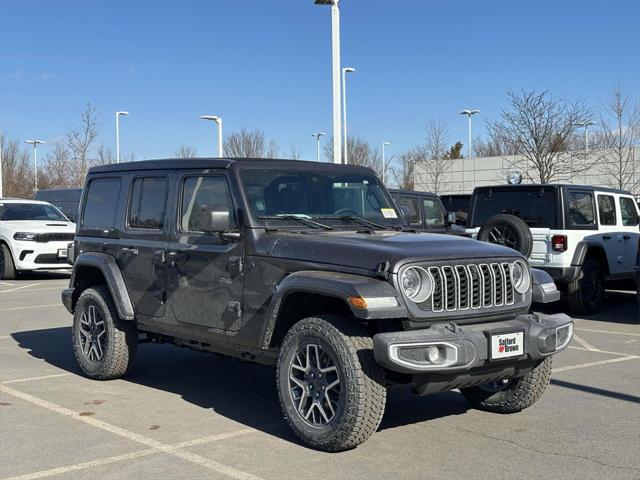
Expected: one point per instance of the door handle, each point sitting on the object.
(627, 237)
(129, 250)
(606, 237)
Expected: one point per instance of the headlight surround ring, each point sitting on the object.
(416, 284)
(520, 276)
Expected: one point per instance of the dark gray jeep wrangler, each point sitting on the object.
(307, 267)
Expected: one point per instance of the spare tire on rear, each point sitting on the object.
(507, 230)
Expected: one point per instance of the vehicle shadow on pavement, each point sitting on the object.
(241, 391)
(619, 307)
(45, 275)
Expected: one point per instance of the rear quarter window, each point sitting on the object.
(536, 206)
(101, 203)
(628, 212)
(580, 211)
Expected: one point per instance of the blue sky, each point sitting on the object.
(266, 64)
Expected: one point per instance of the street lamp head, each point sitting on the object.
(326, 2)
(210, 117)
(348, 69)
(469, 112)
(34, 142)
(319, 134)
(386, 143)
(122, 113)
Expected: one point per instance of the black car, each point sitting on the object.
(423, 211)
(306, 267)
(67, 200)
(459, 204)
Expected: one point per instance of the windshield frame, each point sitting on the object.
(43, 204)
(323, 169)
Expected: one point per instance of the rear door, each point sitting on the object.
(629, 219)
(143, 243)
(609, 231)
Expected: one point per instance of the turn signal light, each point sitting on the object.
(559, 243)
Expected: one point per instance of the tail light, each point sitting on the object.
(559, 243)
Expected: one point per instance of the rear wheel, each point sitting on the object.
(586, 295)
(7, 267)
(511, 395)
(331, 389)
(103, 343)
(507, 230)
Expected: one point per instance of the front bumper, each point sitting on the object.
(39, 256)
(406, 351)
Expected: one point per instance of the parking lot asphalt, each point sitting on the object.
(184, 414)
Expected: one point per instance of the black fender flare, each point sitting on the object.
(113, 276)
(336, 285)
(581, 251)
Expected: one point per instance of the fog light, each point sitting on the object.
(563, 335)
(434, 354)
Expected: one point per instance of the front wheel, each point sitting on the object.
(511, 395)
(586, 295)
(103, 343)
(331, 389)
(7, 267)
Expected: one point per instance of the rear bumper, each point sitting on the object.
(468, 346)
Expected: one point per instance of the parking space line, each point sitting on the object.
(584, 343)
(607, 331)
(8, 284)
(572, 347)
(595, 364)
(19, 288)
(32, 306)
(33, 379)
(132, 436)
(81, 466)
(4, 337)
(61, 287)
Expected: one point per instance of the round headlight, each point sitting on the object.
(520, 276)
(417, 284)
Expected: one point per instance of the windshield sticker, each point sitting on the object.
(388, 213)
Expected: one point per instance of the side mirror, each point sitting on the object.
(71, 218)
(451, 218)
(220, 221)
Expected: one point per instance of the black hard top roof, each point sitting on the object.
(553, 185)
(222, 163)
(412, 192)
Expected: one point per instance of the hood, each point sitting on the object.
(366, 251)
(38, 226)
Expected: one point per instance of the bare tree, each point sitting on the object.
(619, 133)
(79, 142)
(250, 144)
(58, 169)
(104, 155)
(17, 169)
(295, 153)
(185, 151)
(435, 152)
(492, 146)
(404, 171)
(360, 152)
(538, 126)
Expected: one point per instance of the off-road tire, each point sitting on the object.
(7, 267)
(520, 393)
(519, 234)
(582, 297)
(363, 392)
(121, 336)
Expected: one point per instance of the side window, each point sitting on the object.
(628, 212)
(148, 203)
(101, 203)
(581, 209)
(200, 195)
(433, 213)
(413, 205)
(606, 210)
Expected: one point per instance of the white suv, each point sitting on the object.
(33, 236)
(583, 236)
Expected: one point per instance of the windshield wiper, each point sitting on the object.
(303, 220)
(354, 219)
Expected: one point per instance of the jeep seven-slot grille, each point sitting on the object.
(461, 287)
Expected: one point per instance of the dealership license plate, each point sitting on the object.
(506, 345)
(62, 253)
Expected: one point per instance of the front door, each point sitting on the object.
(141, 250)
(205, 269)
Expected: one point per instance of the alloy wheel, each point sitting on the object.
(314, 384)
(92, 334)
(503, 236)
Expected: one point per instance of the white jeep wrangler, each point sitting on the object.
(583, 236)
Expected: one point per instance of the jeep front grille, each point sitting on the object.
(463, 287)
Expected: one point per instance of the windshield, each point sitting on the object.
(331, 197)
(30, 211)
(536, 206)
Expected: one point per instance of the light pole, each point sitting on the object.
(345, 70)
(35, 144)
(384, 160)
(0, 167)
(218, 121)
(335, 47)
(317, 135)
(469, 114)
(118, 134)
(586, 126)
